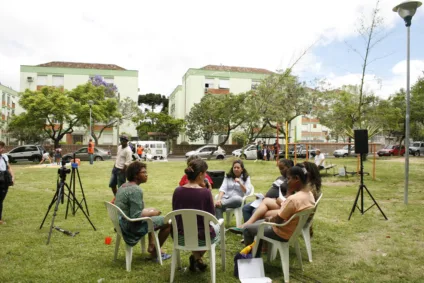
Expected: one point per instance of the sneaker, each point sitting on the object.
(236, 230)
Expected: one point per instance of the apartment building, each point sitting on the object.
(8, 105)
(215, 80)
(69, 75)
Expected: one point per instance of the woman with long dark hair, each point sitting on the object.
(193, 195)
(235, 186)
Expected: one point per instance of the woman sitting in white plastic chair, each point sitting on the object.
(301, 200)
(195, 195)
(234, 187)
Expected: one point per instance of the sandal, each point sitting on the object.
(236, 230)
(200, 265)
(164, 256)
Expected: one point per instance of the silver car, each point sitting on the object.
(208, 151)
(416, 148)
(100, 154)
(247, 152)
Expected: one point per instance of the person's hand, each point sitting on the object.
(218, 203)
(237, 180)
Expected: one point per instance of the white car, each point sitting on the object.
(343, 151)
(206, 152)
(247, 152)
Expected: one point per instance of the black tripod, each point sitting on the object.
(361, 192)
(74, 175)
(59, 197)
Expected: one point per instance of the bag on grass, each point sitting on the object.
(243, 254)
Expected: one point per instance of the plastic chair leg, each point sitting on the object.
(157, 247)
(307, 238)
(299, 255)
(173, 265)
(212, 264)
(178, 255)
(223, 254)
(118, 241)
(284, 255)
(128, 257)
(239, 215)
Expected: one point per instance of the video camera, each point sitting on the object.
(62, 171)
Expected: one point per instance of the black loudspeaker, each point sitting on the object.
(217, 177)
(361, 141)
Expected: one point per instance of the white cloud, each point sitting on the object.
(162, 39)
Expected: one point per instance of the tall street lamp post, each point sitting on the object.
(406, 11)
(90, 102)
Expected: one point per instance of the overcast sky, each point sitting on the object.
(162, 39)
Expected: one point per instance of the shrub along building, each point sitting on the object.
(69, 75)
(224, 80)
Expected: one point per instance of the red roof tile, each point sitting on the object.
(236, 69)
(81, 65)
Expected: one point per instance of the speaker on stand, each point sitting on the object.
(361, 147)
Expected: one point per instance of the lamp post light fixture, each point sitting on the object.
(90, 102)
(406, 11)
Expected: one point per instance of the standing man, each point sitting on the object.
(319, 159)
(123, 160)
(91, 151)
(140, 151)
(4, 186)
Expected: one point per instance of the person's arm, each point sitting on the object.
(222, 191)
(11, 172)
(322, 157)
(247, 186)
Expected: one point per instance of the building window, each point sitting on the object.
(76, 138)
(224, 84)
(108, 80)
(41, 80)
(209, 83)
(58, 81)
(255, 84)
(3, 97)
(315, 126)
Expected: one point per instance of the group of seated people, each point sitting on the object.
(296, 189)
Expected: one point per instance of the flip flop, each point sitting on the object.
(236, 230)
(164, 256)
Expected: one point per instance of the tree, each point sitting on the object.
(106, 111)
(59, 111)
(154, 100)
(20, 129)
(215, 115)
(282, 98)
(372, 32)
(161, 123)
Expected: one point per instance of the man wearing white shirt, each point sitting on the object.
(319, 159)
(123, 160)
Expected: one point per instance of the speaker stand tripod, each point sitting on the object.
(361, 193)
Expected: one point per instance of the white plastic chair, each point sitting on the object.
(306, 228)
(283, 247)
(114, 214)
(191, 242)
(238, 211)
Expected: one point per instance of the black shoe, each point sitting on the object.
(200, 265)
(192, 264)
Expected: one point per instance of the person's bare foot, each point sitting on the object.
(2, 222)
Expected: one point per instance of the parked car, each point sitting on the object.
(26, 153)
(247, 152)
(301, 151)
(416, 148)
(100, 154)
(390, 150)
(206, 151)
(282, 152)
(343, 152)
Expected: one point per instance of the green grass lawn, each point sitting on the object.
(365, 249)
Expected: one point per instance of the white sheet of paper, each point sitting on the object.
(256, 203)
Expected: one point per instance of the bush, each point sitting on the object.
(78, 143)
(62, 142)
(184, 143)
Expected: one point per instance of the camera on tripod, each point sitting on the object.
(62, 171)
